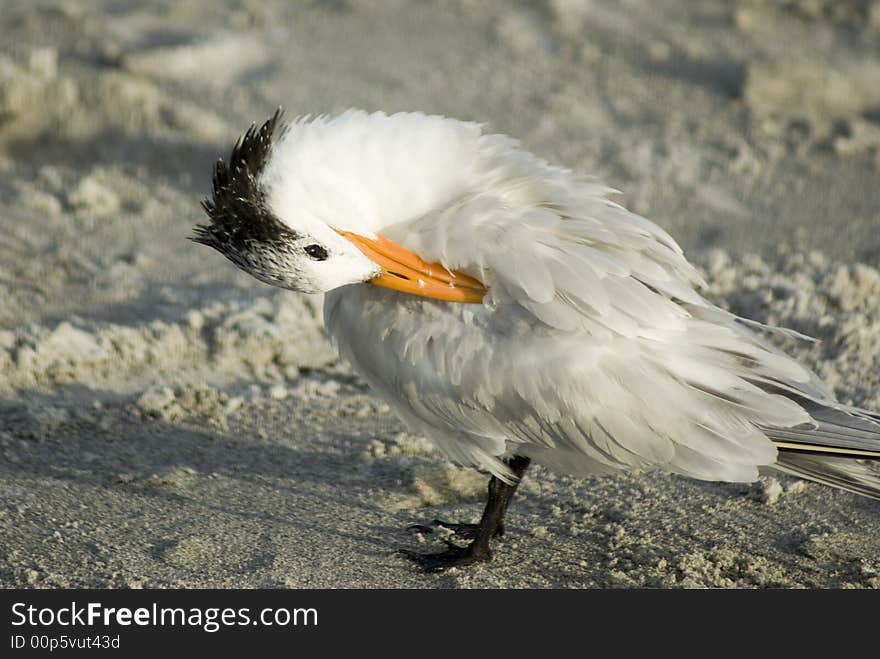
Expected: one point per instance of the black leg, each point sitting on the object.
(491, 525)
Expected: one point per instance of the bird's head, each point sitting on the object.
(299, 206)
(300, 252)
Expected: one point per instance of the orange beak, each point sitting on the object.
(404, 271)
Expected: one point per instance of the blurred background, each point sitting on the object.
(145, 378)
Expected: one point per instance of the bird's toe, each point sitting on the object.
(462, 531)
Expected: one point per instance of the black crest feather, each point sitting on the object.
(236, 207)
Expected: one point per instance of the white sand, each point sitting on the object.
(168, 421)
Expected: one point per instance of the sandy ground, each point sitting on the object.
(167, 421)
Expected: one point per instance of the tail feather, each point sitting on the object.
(841, 448)
(858, 476)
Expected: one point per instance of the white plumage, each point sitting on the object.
(592, 350)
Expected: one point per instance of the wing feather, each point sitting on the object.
(594, 350)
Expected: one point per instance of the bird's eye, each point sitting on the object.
(317, 252)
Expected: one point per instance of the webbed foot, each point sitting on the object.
(453, 556)
(463, 531)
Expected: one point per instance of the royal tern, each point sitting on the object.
(510, 311)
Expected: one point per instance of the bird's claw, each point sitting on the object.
(463, 531)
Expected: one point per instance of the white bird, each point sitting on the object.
(509, 311)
